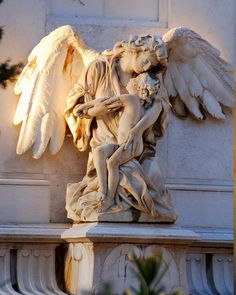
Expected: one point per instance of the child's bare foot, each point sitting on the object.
(101, 196)
(106, 204)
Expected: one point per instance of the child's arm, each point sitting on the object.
(129, 100)
(150, 116)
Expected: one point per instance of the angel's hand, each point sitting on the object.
(81, 110)
(78, 110)
(134, 140)
(104, 106)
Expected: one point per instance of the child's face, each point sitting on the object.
(144, 86)
(148, 87)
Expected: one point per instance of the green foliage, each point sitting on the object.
(8, 72)
(149, 272)
(107, 289)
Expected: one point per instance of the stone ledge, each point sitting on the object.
(24, 182)
(28, 233)
(106, 22)
(130, 233)
(214, 237)
(200, 187)
(111, 232)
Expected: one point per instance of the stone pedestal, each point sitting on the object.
(99, 253)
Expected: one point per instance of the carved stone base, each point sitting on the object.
(129, 216)
(99, 253)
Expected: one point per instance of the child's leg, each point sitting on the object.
(100, 156)
(119, 157)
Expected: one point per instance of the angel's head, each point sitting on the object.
(142, 52)
(146, 86)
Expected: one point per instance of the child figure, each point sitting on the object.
(142, 96)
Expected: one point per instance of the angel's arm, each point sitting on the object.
(97, 107)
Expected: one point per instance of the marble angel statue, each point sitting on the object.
(107, 158)
(117, 103)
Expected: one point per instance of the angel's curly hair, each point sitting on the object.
(142, 43)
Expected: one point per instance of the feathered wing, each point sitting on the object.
(53, 67)
(197, 79)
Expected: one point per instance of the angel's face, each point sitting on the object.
(143, 61)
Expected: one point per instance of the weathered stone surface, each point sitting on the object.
(102, 251)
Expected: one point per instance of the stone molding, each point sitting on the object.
(31, 272)
(130, 233)
(25, 182)
(200, 187)
(201, 259)
(62, 233)
(32, 233)
(103, 18)
(57, 20)
(27, 258)
(5, 281)
(210, 274)
(109, 262)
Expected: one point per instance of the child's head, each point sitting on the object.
(145, 85)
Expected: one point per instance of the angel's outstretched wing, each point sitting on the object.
(53, 67)
(197, 78)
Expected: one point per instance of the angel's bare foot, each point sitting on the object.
(101, 196)
(106, 204)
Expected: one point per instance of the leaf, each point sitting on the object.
(149, 267)
(175, 293)
(160, 276)
(107, 289)
(134, 290)
(149, 272)
(143, 285)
